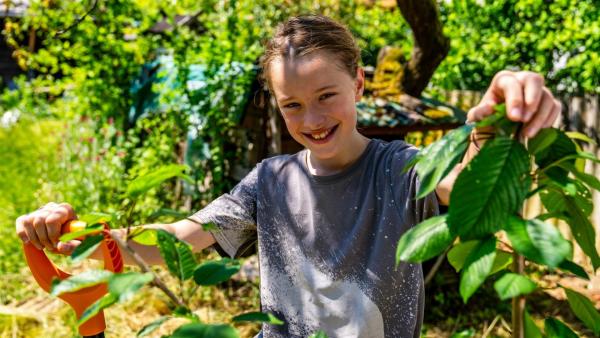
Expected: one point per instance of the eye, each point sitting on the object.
(291, 105)
(326, 96)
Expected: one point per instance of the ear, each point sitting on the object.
(360, 83)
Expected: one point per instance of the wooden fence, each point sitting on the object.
(580, 114)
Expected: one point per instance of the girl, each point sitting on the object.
(327, 219)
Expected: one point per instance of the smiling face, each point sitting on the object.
(317, 100)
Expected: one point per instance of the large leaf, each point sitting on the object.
(426, 240)
(143, 183)
(490, 188)
(145, 236)
(177, 255)
(590, 180)
(538, 241)
(125, 285)
(478, 266)
(262, 317)
(544, 138)
(86, 248)
(557, 329)
(80, 281)
(584, 310)
(459, 253)
(554, 197)
(102, 303)
(583, 231)
(512, 285)
(199, 330)
(438, 159)
(573, 268)
(215, 272)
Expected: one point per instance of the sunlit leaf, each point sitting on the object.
(544, 138)
(584, 310)
(477, 267)
(147, 329)
(146, 237)
(575, 135)
(531, 330)
(492, 187)
(425, 240)
(512, 285)
(199, 330)
(142, 184)
(125, 285)
(539, 241)
(458, 254)
(102, 303)
(93, 229)
(268, 318)
(83, 280)
(215, 272)
(177, 255)
(86, 248)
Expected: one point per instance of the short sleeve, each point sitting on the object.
(405, 187)
(234, 215)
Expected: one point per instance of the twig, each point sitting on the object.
(436, 266)
(63, 31)
(142, 264)
(491, 327)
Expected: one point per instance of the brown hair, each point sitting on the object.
(303, 35)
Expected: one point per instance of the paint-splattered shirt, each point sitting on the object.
(327, 244)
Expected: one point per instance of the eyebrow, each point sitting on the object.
(316, 91)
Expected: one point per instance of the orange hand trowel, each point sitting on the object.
(44, 271)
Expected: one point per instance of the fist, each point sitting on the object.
(42, 228)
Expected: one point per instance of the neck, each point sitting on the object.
(323, 167)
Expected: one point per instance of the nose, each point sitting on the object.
(314, 118)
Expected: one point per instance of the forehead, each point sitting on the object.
(294, 76)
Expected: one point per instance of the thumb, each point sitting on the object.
(479, 112)
(66, 248)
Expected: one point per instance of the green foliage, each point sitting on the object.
(86, 248)
(215, 272)
(557, 329)
(530, 329)
(142, 184)
(176, 254)
(199, 330)
(262, 317)
(90, 229)
(425, 241)
(151, 327)
(83, 280)
(487, 198)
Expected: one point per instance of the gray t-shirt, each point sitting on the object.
(327, 244)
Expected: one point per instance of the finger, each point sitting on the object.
(33, 238)
(553, 117)
(59, 216)
(507, 88)
(541, 115)
(533, 85)
(39, 225)
(20, 227)
(479, 112)
(66, 248)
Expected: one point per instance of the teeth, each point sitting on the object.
(321, 135)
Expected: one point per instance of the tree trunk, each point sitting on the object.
(430, 44)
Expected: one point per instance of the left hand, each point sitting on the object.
(527, 100)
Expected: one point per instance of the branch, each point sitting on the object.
(78, 21)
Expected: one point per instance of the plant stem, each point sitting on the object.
(145, 268)
(518, 303)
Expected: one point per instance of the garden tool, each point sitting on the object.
(44, 271)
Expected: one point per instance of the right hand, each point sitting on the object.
(42, 227)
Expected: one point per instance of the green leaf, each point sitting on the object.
(544, 138)
(440, 157)
(80, 281)
(102, 303)
(143, 183)
(561, 150)
(557, 329)
(512, 285)
(590, 180)
(573, 268)
(575, 135)
(499, 114)
(91, 229)
(458, 254)
(489, 189)
(538, 241)
(146, 237)
(199, 330)
(584, 310)
(125, 285)
(96, 217)
(583, 231)
(426, 240)
(554, 197)
(531, 330)
(147, 329)
(177, 255)
(478, 266)
(268, 318)
(162, 212)
(86, 248)
(215, 272)
(318, 334)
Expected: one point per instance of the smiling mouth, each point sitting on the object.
(323, 136)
